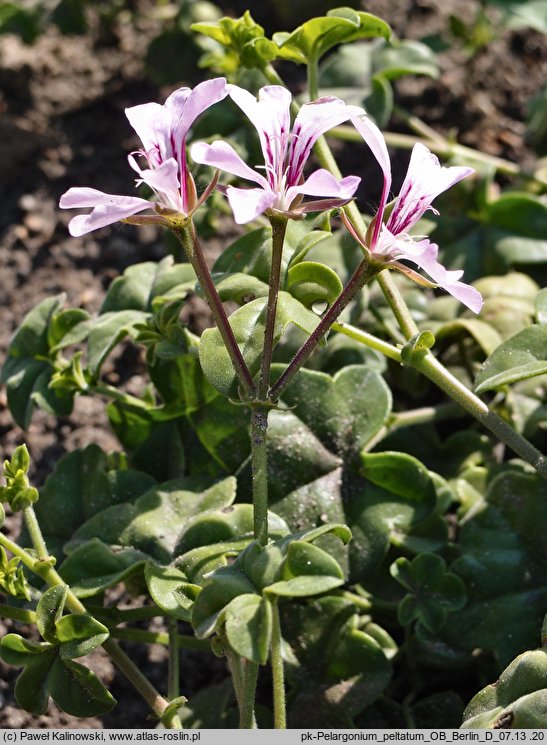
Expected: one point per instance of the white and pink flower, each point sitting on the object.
(163, 131)
(390, 240)
(285, 150)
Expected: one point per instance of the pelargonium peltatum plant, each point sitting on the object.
(253, 500)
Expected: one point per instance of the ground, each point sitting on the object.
(62, 124)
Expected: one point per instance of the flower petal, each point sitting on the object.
(247, 204)
(425, 179)
(165, 181)
(376, 142)
(150, 122)
(270, 115)
(313, 120)
(107, 208)
(223, 156)
(449, 280)
(322, 183)
(185, 105)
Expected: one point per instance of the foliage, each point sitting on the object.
(400, 547)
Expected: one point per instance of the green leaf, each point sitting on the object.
(400, 474)
(483, 333)
(49, 611)
(248, 324)
(93, 567)
(405, 57)
(249, 627)
(29, 366)
(522, 356)
(170, 590)
(311, 282)
(433, 591)
(518, 699)
(107, 331)
(234, 521)
(153, 523)
(80, 486)
(345, 411)
(147, 286)
(303, 558)
(503, 561)
(32, 686)
(15, 650)
(301, 587)
(229, 583)
(77, 690)
(239, 288)
(337, 663)
(79, 634)
(310, 41)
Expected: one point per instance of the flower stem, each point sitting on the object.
(186, 233)
(279, 227)
(369, 340)
(363, 274)
(436, 372)
(247, 708)
(278, 675)
(259, 465)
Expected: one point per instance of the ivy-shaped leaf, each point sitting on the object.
(433, 592)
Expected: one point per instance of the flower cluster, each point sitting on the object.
(163, 131)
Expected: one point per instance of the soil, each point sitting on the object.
(62, 124)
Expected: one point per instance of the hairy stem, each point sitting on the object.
(259, 465)
(278, 674)
(363, 274)
(247, 708)
(186, 233)
(279, 227)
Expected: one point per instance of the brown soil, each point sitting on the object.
(62, 124)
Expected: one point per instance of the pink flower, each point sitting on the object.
(162, 131)
(285, 152)
(390, 241)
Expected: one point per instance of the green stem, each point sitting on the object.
(159, 637)
(247, 708)
(363, 274)
(186, 233)
(438, 374)
(17, 614)
(313, 78)
(104, 389)
(173, 678)
(398, 305)
(278, 674)
(279, 227)
(424, 415)
(172, 720)
(259, 465)
(35, 533)
(234, 663)
(369, 340)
